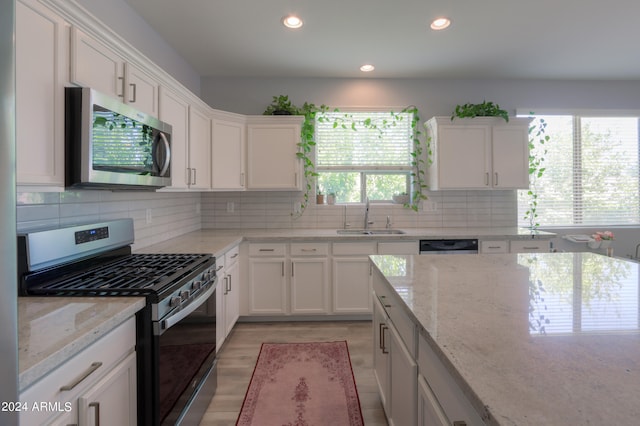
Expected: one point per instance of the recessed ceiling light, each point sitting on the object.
(292, 21)
(367, 68)
(440, 23)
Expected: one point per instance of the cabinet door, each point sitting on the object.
(309, 285)
(381, 353)
(175, 110)
(199, 149)
(227, 155)
(429, 411)
(95, 65)
(510, 156)
(41, 55)
(267, 286)
(404, 382)
(232, 297)
(463, 156)
(141, 90)
(112, 401)
(272, 163)
(351, 285)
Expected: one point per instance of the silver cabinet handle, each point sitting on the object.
(292, 273)
(266, 249)
(235, 255)
(459, 423)
(219, 267)
(121, 95)
(242, 179)
(309, 250)
(133, 86)
(96, 405)
(226, 285)
(93, 367)
(188, 176)
(384, 344)
(486, 179)
(495, 183)
(283, 268)
(194, 176)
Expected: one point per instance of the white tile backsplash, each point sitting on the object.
(274, 210)
(176, 213)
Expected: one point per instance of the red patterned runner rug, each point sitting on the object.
(302, 384)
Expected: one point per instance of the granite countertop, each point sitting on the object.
(53, 329)
(532, 339)
(218, 241)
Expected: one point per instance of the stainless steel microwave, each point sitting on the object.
(110, 145)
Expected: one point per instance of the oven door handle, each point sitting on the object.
(178, 316)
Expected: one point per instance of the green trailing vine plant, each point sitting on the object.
(537, 150)
(485, 109)
(420, 154)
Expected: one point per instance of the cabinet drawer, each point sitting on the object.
(83, 370)
(455, 405)
(494, 246)
(231, 256)
(367, 247)
(530, 246)
(309, 249)
(267, 249)
(399, 247)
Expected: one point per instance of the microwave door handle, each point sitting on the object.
(167, 160)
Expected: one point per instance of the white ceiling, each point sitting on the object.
(557, 39)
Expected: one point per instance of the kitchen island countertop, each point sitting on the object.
(531, 339)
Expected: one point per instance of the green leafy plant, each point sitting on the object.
(485, 109)
(281, 105)
(537, 151)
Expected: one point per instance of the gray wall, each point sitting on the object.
(122, 19)
(431, 96)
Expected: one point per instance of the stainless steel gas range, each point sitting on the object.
(176, 331)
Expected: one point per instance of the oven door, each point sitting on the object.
(187, 360)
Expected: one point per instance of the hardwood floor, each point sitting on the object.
(238, 356)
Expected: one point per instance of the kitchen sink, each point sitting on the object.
(370, 232)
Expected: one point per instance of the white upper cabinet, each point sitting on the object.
(199, 170)
(95, 65)
(174, 110)
(41, 74)
(228, 142)
(272, 146)
(479, 153)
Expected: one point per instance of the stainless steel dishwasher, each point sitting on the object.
(450, 246)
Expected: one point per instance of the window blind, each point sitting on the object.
(592, 173)
(357, 146)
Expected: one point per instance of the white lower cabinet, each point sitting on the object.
(109, 402)
(429, 411)
(231, 293)
(395, 369)
(96, 386)
(404, 382)
(309, 285)
(227, 293)
(351, 280)
(284, 284)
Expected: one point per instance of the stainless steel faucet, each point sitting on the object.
(366, 216)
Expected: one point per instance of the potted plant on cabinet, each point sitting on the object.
(485, 109)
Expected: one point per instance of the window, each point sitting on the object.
(362, 155)
(592, 173)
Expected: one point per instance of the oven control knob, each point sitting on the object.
(196, 285)
(184, 294)
(174, 301)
